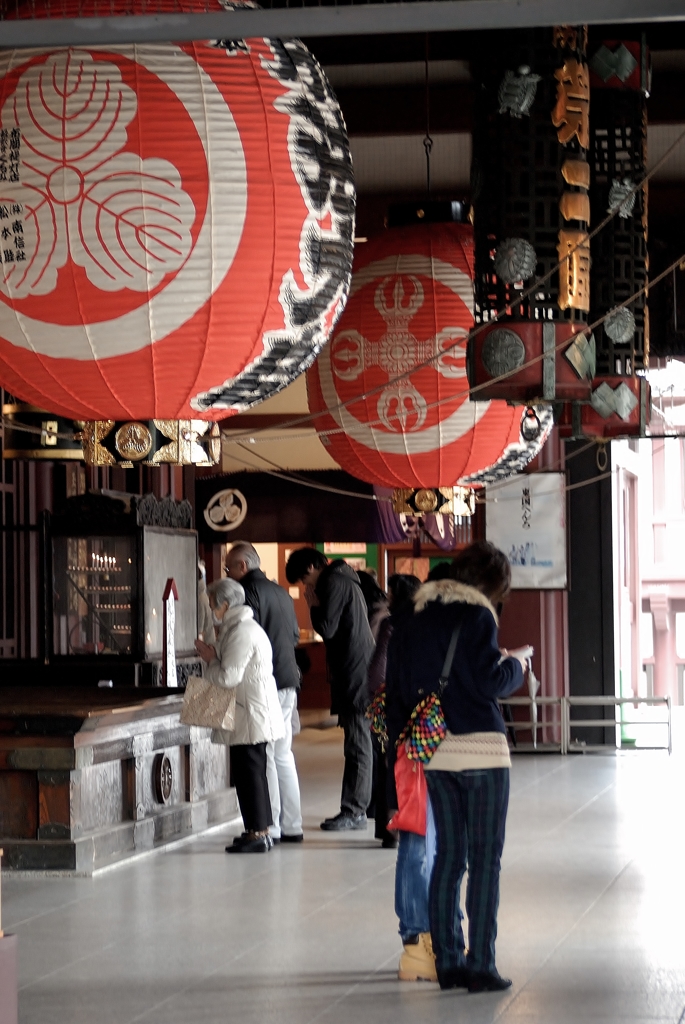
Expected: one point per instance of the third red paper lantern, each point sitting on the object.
(411, 305)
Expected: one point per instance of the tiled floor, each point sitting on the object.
(592, 919)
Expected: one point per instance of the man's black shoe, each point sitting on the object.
(454, 977)
(487, 981)
(297, 838)
(345, 822)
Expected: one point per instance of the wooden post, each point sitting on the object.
(170, 596)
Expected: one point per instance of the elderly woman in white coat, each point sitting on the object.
(242, 659)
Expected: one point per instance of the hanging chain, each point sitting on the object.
(427, 139)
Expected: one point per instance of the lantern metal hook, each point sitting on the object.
(602, 458)
(531, 425)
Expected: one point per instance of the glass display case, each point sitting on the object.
(94, 599)
(108, 595)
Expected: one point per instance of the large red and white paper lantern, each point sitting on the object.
(176, 225)
(411, 305)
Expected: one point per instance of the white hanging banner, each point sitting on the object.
(526, 518)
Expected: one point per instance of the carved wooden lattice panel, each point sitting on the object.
(618, 158)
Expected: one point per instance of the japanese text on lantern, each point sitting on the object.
(12, 245)
(10, 152)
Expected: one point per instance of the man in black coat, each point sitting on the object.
(339, 615)
(274, 610)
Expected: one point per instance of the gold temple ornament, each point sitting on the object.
(153, 442)
(92, 435)
(186, 448)
(133, 441)
(576, 172)
(574, 272)
(575, 206)
(571, 114)
(569, 37)
(456, 501)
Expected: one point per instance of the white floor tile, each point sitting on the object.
(590, 924)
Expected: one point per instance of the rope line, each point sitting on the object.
(257, 437)
(309, 417)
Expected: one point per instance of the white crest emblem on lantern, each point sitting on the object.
(127, 221)
(402, 409)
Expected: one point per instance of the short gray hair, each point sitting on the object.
(247, 553)
(228, 590)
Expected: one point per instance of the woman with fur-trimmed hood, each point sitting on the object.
(468, 776)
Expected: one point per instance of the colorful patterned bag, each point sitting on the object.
(426, 728)
(376, 715)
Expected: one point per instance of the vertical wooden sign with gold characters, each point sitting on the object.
(571, 118)
(531, 198)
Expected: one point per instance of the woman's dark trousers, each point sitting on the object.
(248, 775)
(470, 810)
(378, 808)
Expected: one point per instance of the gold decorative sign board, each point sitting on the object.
(153, 442)
(459, 501)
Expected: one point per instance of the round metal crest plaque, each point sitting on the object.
(163, 777)
(502, 352)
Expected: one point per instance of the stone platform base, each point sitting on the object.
(120, 841)
(89, 778)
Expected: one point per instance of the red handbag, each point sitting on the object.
(412, 795)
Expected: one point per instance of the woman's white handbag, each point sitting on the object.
(208, 705)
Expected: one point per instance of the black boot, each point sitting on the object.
(487, 981)
(454, 977)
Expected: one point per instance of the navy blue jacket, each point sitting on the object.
(416, 654)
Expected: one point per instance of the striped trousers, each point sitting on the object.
(470, 810)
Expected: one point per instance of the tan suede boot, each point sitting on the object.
(417, 962)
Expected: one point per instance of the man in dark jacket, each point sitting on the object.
(274, 610)
(339, 614)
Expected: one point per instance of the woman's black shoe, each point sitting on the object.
(454, 977)
(260, 844)
(486, 981)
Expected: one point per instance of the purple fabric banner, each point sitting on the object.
(394, 528)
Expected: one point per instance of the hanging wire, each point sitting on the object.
(565, 489)
(254, 438)
(263, 435)
(311, 417)
(295, 478)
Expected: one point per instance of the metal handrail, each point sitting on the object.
(604, 723)
(533, 725)
(566, 723)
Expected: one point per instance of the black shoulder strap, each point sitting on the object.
(449, 658)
